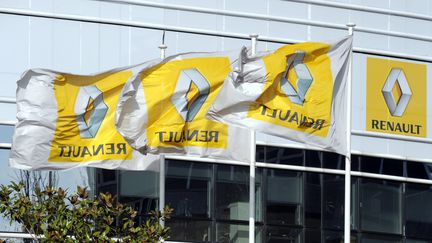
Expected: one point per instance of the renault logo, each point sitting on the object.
(396, 92)
(187, 81)
(303, 79)
(90, 111)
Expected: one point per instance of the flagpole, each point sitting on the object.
(347, 207)
(254, 39)
(162, 48)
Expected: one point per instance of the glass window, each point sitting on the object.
(312, 236)
(367, 238)
(392, 167)
(260, 153)
(416, 170)
(333, 201)
(284, 197)
(380, 206)
(312, 200)
(355, 162)
(418, 213)
(371, 164)
(189, 230)
(188, 188)
(286, 156)
(232, 192)
(313, 158)
(333, 161)
(283, 235)
(334, 237)
(106, 181)
(140, 190)
(236, 233)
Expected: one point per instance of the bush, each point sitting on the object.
(52, 215)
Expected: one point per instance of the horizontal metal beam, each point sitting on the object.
(5, 145)
(8, 123)
(270, 18)
(8, 100)
(365, 9)
(135, 24)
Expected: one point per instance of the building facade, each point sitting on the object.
(299, 190)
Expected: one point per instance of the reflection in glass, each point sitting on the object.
(333, 200)
(284, 197)
(418, 216)
(236, 233)
(189, 230)
(312, 236)
(379, 239)
(313, 200)
(313, 158)
(380, 206)
(277, 155)
(333, 236)
(232, 192)
(283, 235)
(188, 188)
(140, 190)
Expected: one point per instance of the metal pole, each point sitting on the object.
(347, 213)
(254, 39)
(162, 48)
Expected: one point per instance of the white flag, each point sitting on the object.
(67, 120)
(162, 109)
(297, 92)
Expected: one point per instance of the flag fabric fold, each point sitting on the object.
(297, 92)
(67, 121)
(162, 109)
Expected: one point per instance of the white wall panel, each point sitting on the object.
(14, 42)
(41, 43)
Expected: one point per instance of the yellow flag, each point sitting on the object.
(296, 92)
(162, 109)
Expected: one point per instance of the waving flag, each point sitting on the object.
(162, 109)
(67, 120)
(297, 92)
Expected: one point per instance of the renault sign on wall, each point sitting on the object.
(396, 97)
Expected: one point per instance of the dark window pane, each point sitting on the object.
(232, 192)
(284, 197)
(392, 167)
(283, 235)
(355, 162)
(187, 188)
(106, 181)
(140, 190)
(313, 158)
(260, 153)
(286, 156)
(312, 236)
(418, 202)
(333, 161)
(189, 230)
(237, 233)
(370, 164)
(313, 200)
(379, 239)
(6, 133)
(334, 237)
(333, 201)
(380, 206)
(416, 170)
